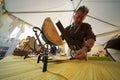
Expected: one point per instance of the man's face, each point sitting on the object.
(79, 17)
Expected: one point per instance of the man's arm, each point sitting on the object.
(80, 54)
(89, 44)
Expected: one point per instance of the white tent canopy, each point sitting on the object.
(103, 16)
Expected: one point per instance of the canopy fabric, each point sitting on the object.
(103, 16)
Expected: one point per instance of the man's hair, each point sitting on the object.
(83, 9)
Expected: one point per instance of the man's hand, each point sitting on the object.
(81, 54)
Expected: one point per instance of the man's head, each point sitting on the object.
(80, 15)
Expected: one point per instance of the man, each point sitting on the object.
(81, 34)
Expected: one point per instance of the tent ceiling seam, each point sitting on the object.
(108, 33)
(78, 5)
(103, 21)
(18, 12)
